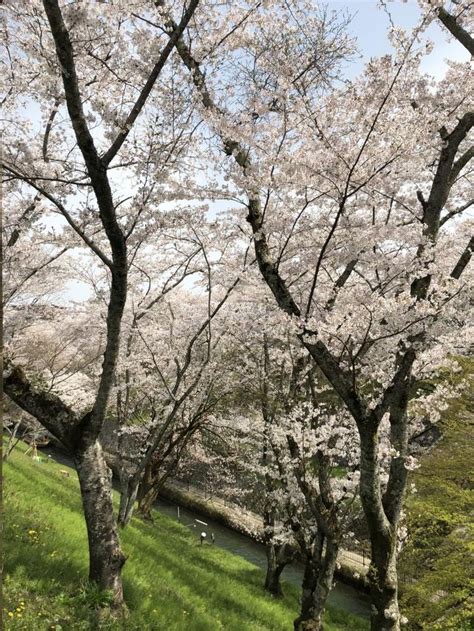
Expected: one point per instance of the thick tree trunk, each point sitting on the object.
(310, 578)
(147, 495)
(273, 579)
(383, 581)
(382, 576)
(325, 580)
(146, 503)
(317, 584)
(105, 556)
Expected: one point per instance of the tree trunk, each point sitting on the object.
(275, 566)
(146, 503)
(317, 584)
(383, 581)
(105, 556)
(308, 586)
(128, 495)
(382, 575)
(147, 496)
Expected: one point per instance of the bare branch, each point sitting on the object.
(461, 163)
(105, 259)
(456, 211)
(24, 218)
(340, 282)
(49, 126)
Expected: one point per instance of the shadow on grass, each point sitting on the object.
(170, 581)
(209, 580)
(40, 543)
(63, 490)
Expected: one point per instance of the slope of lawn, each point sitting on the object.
(437, 564)
(171, 582)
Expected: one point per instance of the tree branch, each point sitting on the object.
(456, 30)
(98, 174)
(456, 212)
(24, 217)
(33, 272)
(463, 260)
(461, 163)
(105, 259)
(147, 88)
(49, 126)
(49, 409)
(340, 282)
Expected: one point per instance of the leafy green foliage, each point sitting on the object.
(437, 563)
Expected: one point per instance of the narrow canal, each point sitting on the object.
(341, 597)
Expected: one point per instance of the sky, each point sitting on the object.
(370, 23)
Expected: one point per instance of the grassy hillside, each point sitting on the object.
(171, 582)
(437, 565)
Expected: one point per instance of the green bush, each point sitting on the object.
(436, 565)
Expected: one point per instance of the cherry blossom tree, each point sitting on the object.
(319, 504)
(311, 476)
(352, 196)
(302, 453)
(176, 385)
(64, 59)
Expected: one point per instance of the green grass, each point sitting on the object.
(170, 581)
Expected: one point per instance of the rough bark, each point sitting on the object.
(274, 570)
(382, 574)
(318, 577)
(47, 408)
(310, 577)
(278, 557)
(325, 580)
(106, 558)
(456, 30)
(383, 580)
(105, 555)
(147, 495)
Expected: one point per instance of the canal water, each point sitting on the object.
(341, 597)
